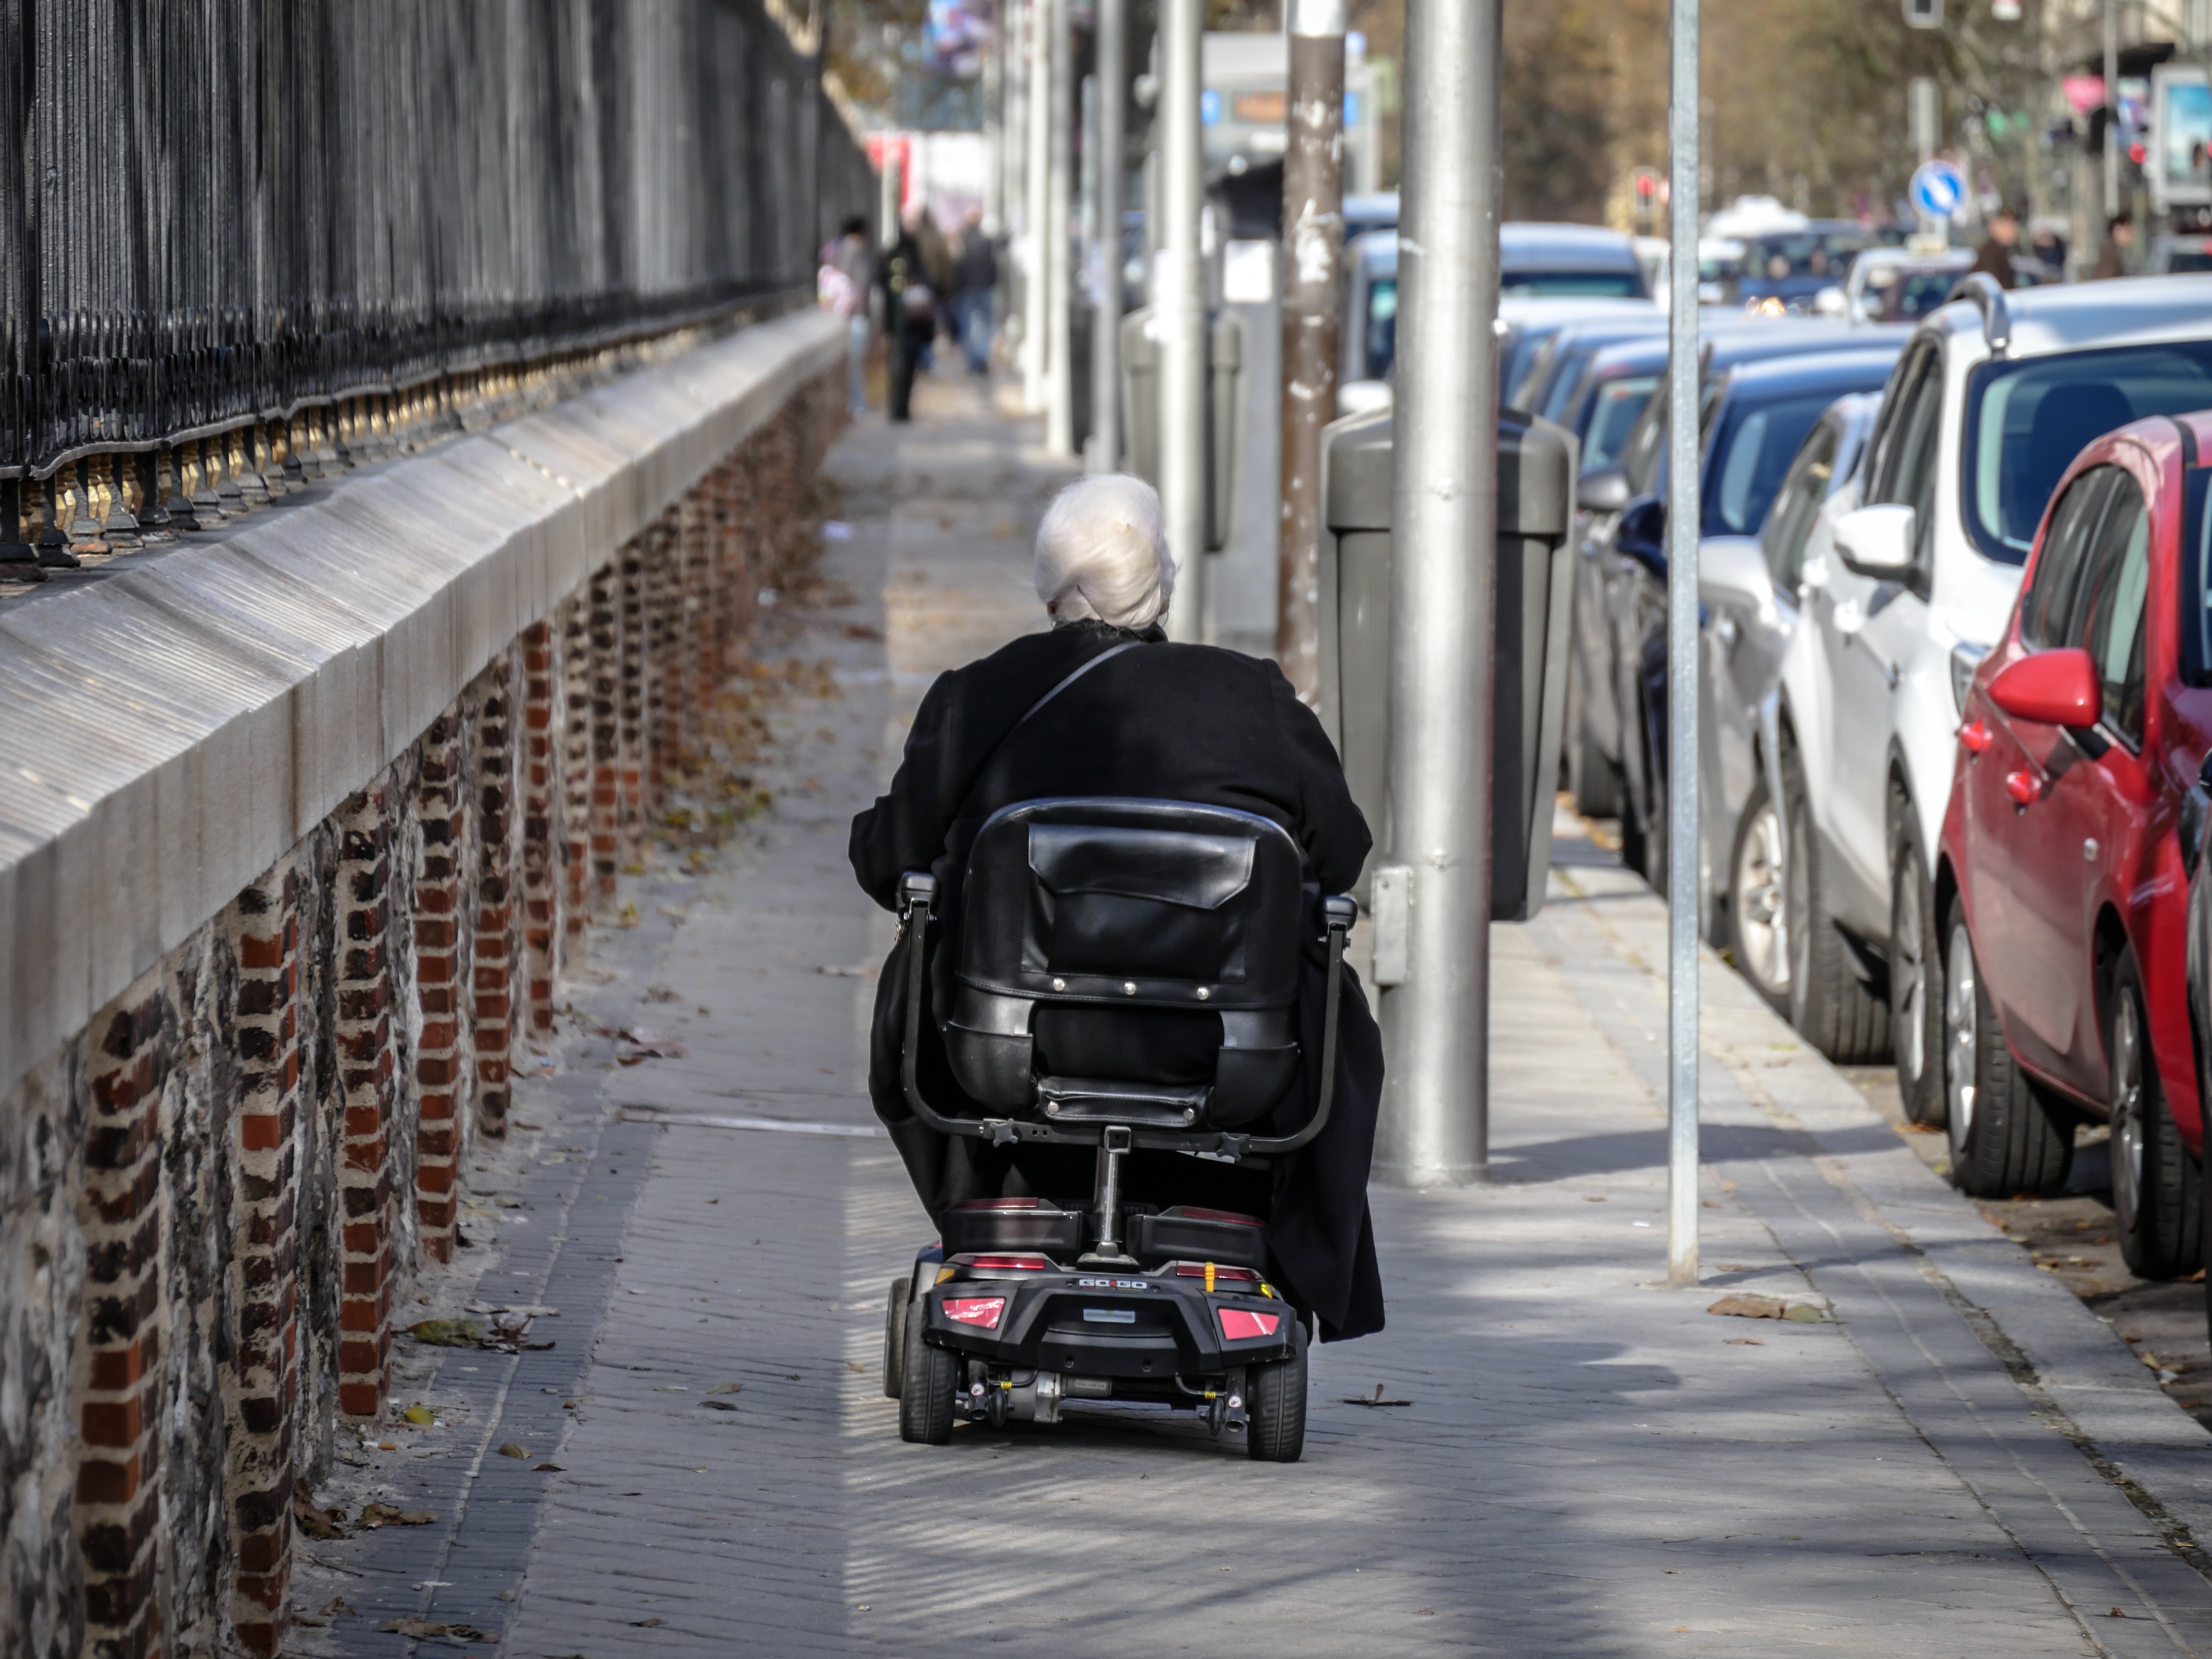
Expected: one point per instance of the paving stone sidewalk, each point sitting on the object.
(1935, 1468)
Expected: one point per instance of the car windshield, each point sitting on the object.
(1613, 413)
(2182, 264)
(1804, 253)
(1919, 292)
(1381, 327)
(2027, 419)
(1755, 448)
(1574, 284)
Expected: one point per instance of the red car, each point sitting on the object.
(2062, 887)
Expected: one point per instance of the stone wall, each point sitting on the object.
(213, 1194)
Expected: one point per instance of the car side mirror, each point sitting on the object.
(1362, 397)
(1603, 489)
(2052, 688)
(1877, 542)
(1732, 570)
(1641, 534)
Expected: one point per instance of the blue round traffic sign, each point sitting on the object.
(1938, 188)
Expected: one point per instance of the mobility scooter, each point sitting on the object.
(1104, 944)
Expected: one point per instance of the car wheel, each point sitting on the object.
(2155, 1187)
(1592, 779)
(895, 1337)
(2005, 1141)
(930, 1376)
(1915, 985)
(1275, 1405)
(1836, 1010)
(1759, 912)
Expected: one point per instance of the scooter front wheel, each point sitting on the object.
(1275, 1405)
(925, 1390)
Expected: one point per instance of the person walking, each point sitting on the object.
(910, 316)
(937, 267)
(975, 287)
(1994, 257)
(2119, 240)
(841, 287)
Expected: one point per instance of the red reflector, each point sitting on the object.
(1238, 1325)
(983, 1310)
(997, 1203)
(1187, 1213)
(1197, 1270)
(1036, 1264)
(1977, 737)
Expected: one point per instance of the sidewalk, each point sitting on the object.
(1930, 1471)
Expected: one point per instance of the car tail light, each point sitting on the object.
(1031, 1264)
(1227, 1275)
(997, 1203)
(1975, 734)
(982, 1311)
(1240, 1325)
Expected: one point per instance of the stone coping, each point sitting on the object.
(179, 724)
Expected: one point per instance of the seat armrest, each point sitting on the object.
(1340, 911)
(917, 886)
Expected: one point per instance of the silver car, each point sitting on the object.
(1748, 589)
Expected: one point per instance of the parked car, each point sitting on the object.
(1548, 386)
(1594, 729)
(1747, 592)
(1785, 270)
(2062, 880)
(1754, 416)
(2177, 255)
(1908, 577)
(1896, 285)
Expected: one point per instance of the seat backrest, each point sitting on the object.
(1148, 904)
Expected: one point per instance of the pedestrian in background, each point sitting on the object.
(841, 287)
(936, 263)
(2049, 248)
(2119, 240)
(910, 316)
(974, 284)
(1995, 256)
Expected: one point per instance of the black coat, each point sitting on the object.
(1168, 722)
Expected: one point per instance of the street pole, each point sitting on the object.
(1013, 141)
(1036, 330)
(1313, 294)
(1682, 526)
(1059, 377)
(1112, 50)
(995, 126)
(2112, 108)
(1179, 316)
(890, 187)
(1435, 1129)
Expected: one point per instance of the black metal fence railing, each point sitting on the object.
(221, 213)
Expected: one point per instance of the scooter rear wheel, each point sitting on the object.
(930, 1375)
(895, 1338)
(1275, 1405)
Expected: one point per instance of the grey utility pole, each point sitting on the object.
(1112, 51)
(2111, 107)
(1682, 649)
(1436, 1128)
(1013, 148)
(1060, 376)
(1313, 294)
(1179, 315)
(1037, 74)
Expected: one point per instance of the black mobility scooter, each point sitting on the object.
(1127, 980)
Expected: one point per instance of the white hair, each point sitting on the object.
(1101, 551)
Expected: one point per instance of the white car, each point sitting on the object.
(1908, 577)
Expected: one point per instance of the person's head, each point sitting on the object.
(2004, 227)
(914, 218)
(1103, 552)
(2122, 229)
(1777, 267)
(972, 221)
(855, 228)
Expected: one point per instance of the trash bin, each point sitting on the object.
(1535, 508)
(1140, 411)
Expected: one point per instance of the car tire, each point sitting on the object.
(929, 1377)
(2005, 1140)
(1759, 914)
(1643, 815)
(1275, 1405)
(1830, 1004)
(1916, 984)
(1592, 779)
(895, 1337)
(2154, 1181)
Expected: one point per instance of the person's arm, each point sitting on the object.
(1330, 826)
(906, 828)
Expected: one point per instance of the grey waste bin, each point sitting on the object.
(1536, 472)
(1225, 428)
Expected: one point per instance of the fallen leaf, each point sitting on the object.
(510, 1449)
(374, 1516)
(1377, 1400)
(1747, 1305)
(648, 1624)
(421, 1416)
(854, 1365)
(725, 1388)
(550, 1468)
(420, 1628)
(336, 1606)
(447, 1332)
(720, 1405)
(1593, 1198)
(1746, 1342)
(315, 1522)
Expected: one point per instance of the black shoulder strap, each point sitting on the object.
(1031, 711)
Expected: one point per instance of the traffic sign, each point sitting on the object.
(1938, 188)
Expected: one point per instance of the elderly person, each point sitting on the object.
(1169, 722)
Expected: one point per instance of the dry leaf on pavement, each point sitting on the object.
(510, 1449)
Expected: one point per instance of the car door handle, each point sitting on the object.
(2023, 788)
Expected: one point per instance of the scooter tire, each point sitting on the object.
(929, 1376)
(895, 1337)
(1275, 1405)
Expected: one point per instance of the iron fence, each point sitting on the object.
(222, 212)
